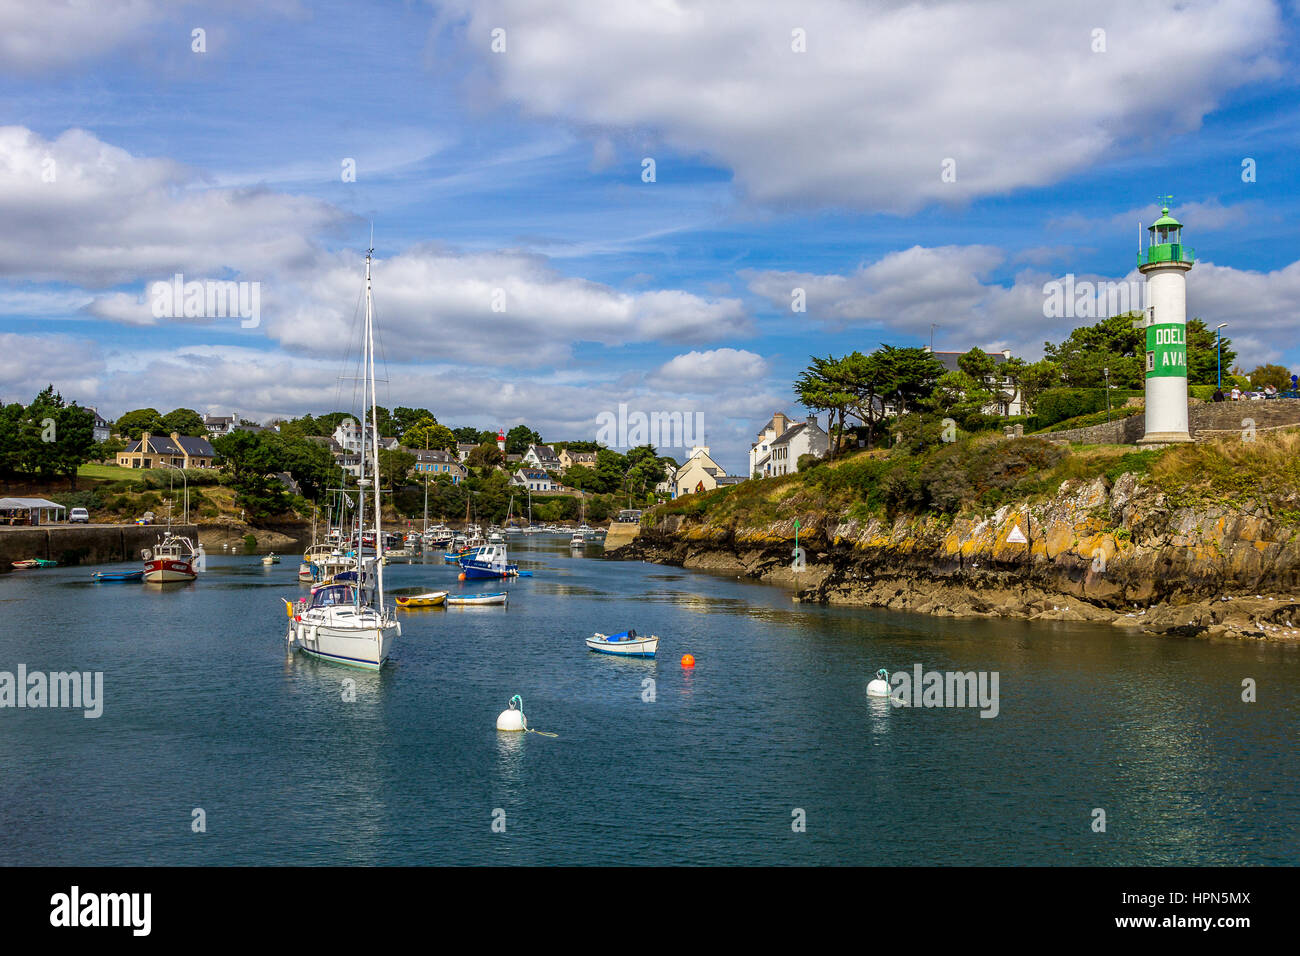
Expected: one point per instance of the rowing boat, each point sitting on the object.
(476, 600)
(117, 575)
(428, 599)
(626, 644)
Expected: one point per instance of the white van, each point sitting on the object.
(78, 516)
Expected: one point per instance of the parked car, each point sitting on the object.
(78, 516)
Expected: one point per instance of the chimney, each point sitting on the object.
(1006, 353)
(144, 441)
(780, 423)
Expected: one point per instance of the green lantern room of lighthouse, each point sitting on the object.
(1166, 243)
(1166, 341)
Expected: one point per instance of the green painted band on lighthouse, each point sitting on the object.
(1167, 350)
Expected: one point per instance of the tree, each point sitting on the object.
(427, 433)
(394, 466)
(484, 457)
(133, 423)
(467, 434)
(519, 438)
(404, 419)
(1275, 375)
(249, 458)
(819, 387)
(184, 421)
(1202, 359)
(1113, 343)
(1032, 379)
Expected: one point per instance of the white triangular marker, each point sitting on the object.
(1017, 536)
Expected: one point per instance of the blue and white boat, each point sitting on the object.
(625, 644)
(118, 575)
(490, 561)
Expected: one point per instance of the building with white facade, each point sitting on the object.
(781, 441)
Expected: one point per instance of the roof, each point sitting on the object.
(534, 473)
(582, 455)
(183, 445)
(433, 454)
(542, 451)
(789, 433)
(730, 479)
(28, 503)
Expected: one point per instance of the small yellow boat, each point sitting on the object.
(429, 599)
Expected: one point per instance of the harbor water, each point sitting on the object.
(218, 747)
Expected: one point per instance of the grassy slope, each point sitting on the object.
(980, 474)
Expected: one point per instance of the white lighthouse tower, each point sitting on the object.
(1165, 264)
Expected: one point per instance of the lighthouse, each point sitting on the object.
(1165, 264)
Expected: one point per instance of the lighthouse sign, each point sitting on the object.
(1166, 350)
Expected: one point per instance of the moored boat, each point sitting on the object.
(35, 563)
(489, 561)
(117, 575)
(174, 559)
(428, 599)
(347, 621)
(625, 644)
(477, 600)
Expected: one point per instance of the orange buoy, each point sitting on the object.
(461, 576)
(688, 660)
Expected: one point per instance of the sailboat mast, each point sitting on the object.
(374, 437)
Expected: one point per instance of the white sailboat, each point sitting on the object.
(346, 621)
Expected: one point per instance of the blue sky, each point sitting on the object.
(521, 170)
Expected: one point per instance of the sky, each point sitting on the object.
(593, 203)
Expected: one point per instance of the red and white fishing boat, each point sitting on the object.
(175, 558)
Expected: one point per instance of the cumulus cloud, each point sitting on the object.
(81, 211)
(712, 369)
(885, 92)
(902, 293)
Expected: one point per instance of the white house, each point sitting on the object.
(218, 425)
(781, 441)
(544, 457)
(534, 479)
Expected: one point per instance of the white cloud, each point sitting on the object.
(81, 211)
(903, 292)
(886, 90)
(711, 370)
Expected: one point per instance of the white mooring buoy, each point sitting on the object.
(880, 686)
(512, 718)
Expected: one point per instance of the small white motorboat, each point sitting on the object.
(271, 558)
(626, 644)
(477, 600)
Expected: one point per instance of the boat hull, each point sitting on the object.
(366, 648)
(168, 571)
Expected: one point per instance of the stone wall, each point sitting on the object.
(83, 544)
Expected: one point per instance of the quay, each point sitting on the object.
(83, 544)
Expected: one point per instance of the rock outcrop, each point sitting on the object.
(1116, 552)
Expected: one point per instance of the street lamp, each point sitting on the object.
(1218, 352)
(1106, 372)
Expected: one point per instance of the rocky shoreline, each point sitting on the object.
(1121, 554)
